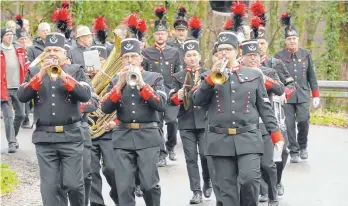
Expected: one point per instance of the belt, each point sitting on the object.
(232, 131)
(58, 129)
(138, 125)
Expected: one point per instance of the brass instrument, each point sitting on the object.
(133, 76)
(54, 71)
(221, 76)
(187, 88)
(100, 81)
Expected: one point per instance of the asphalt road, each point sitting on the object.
(320, 181)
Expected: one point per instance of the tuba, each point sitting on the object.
(221, 76)
(100, 81)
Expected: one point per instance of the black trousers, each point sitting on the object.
(297, 113)
(191, 139)
(102, 149)
(172, 129)
(269, 170)
(127, 162)
(238, 172)
(61, 164)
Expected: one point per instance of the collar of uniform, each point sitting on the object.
(264, 59)
(234, 69)
(180, 42)
(295, 54)
(82, 47)
(160, 48)
(191, 70)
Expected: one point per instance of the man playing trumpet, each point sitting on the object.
(137, 138)
(58, 137)
(233, 139)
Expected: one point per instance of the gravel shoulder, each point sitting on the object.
(27, 192)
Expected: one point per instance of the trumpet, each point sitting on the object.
(55, 70)
(133, 76)
(221, 76)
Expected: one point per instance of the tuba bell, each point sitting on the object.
(221, 76)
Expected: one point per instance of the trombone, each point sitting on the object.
(221, 76)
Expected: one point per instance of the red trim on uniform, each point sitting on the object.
(269, 82)
(70, 83)
(289, 92)
(82, 107)
(114, 95)
(175, 99)
(116, 121)
(315, 93)
(35, 83)
(146, 92)
(276, 136)
(209, 81)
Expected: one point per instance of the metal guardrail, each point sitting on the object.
(335, 89)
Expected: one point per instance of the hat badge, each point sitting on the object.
(291, 32)
(128, 46)
(190, 46)
(252, 48)
(23, 33)
(223, 38)
(53, 39)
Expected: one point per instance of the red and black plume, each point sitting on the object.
(160, 12)
(142, 28)
(19, 20)
(258, 9)
(286, 19)
(100, 29)
(239, 11)
(195, 26)
(182, 11)
(65, 4)
(131, 22)
(255, 23)
(228, 25)
(62, 17)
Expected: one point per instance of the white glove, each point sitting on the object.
(277, 151)
(283, 99)
(181, 94)
(316, 102)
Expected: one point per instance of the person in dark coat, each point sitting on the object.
(58, 136)
(299, 63)
(165, 60)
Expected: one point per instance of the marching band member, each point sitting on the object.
(138, 96)
(58, 137)
(299, 63)
(235, 102)
(192, 119)
(165, 60)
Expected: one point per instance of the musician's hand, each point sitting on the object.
(122, 78)
(109, 126)
(181, 94)
(218, 64)
(283, 99)
(141, 82)
(63, 76)
(47, 63)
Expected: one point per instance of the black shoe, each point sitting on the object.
(26, 124)
(280, 189)
(294, 158)
(172, 155)
(273, 203)
(197, 198)
(138, 191)
(162, 162)
(263, 198)
(304, 154)
(207, 189)
(12, 148)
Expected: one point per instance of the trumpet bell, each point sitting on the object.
(219, 78)
(132, 77)
(54, 72)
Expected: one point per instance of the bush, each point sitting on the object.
(328, 118)
(9, 179)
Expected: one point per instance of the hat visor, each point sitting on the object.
(181, 27)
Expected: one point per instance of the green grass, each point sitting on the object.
(9, 179)
(323, 117)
